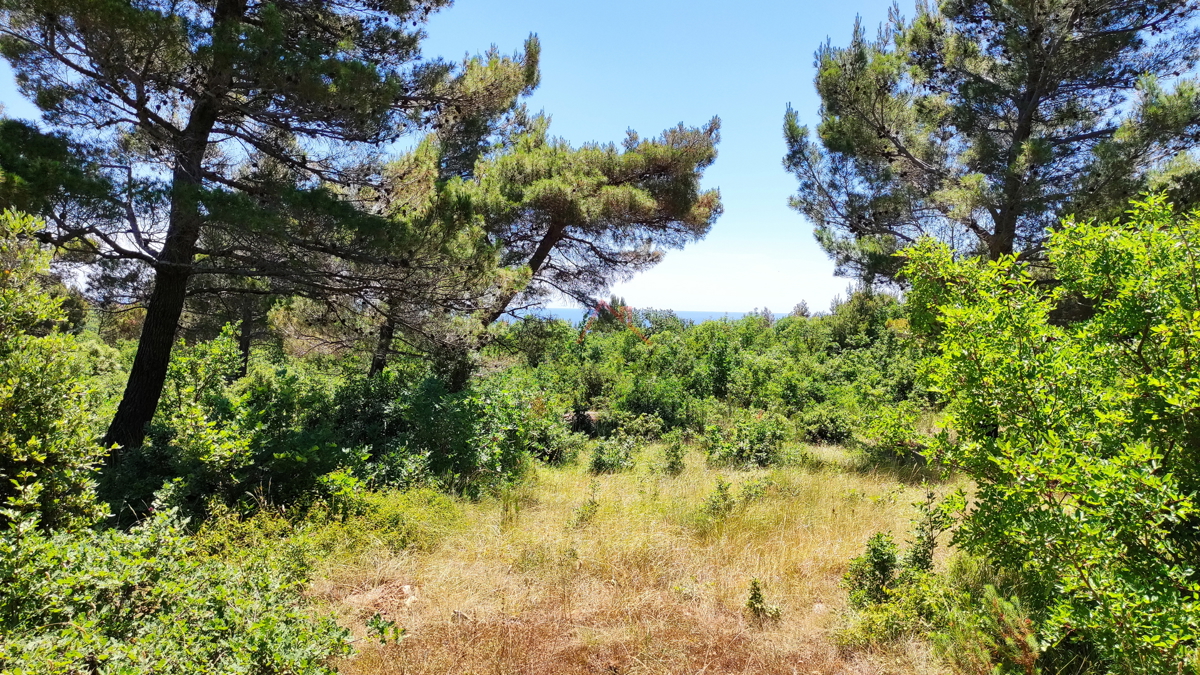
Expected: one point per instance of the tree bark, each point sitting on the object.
(245, 333)
(536, 261)
(383, 348)
(173, 268)
(149, 371)
(1003, 240)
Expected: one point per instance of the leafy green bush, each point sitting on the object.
(1081, 438)
(663, 397)
(826, 422)
(757, 607)
(48, 451)
(756, 439)
(720, 503)
(265, 437)
(871, 575)
(146, 601)
(673, 454)
(613, 454)
(471, 440)
(891, 435)
(641, 426)
(893, 595)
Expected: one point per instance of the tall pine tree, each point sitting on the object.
(234, 128)
(984, 122)
(579, 219)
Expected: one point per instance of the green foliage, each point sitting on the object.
(756, 439)
(221, 439)
(721, 504)
(355, 83)
(826, 374)
(718, 505)
(673, 454)
(893, 595)
(870, 576)
(48, 450)
(757, 607)
(384, 629)
(580, 217)
(827, 422)
(471, 440)
(147, 601)
(1080, 438)
(911, 609)
(890, 434)
(537, 340)
(994, 636)
(933, 519)
(411, 519)
(39, 171)
(642, 426)
(613, 454)
(908, 142)
(296, 433)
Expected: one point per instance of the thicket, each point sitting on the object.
(744, 386)
(1075, 546)
(1078, 544)
(312, 437)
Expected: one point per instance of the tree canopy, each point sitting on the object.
(236, 134)
(582, 218)
(984, 123)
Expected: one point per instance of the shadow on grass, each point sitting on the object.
(912, 471)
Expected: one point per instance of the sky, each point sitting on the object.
(647, 65)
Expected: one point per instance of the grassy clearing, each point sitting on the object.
(635, 572)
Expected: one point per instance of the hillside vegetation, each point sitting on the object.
(635, 493)
(271, 401)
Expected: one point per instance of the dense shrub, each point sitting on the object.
(870, 576)
(890, 434)
(673, 454)
(827, 373)
(268, 436)
(826, 422)
(146, 601)
(48, 449)
(1081, 438)
(613, 454)
(755, 439)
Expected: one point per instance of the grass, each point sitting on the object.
(650, 581)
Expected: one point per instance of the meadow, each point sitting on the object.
(635, 572)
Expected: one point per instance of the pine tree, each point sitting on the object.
(984, 122)
(559, 218)
(580, 219)
(237, 135)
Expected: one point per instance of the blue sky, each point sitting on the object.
(647, 65)
(650, 64)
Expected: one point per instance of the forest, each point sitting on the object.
(276, 397)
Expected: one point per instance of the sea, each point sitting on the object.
(576, 314)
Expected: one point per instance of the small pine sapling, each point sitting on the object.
(585, 512)
(757, 607)
(673, 454)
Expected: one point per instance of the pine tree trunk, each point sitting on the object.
(171, 272)
(383, 348)
(536, 262)
(149, 371)
(245, 333)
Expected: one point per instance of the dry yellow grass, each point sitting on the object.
(524, 587)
